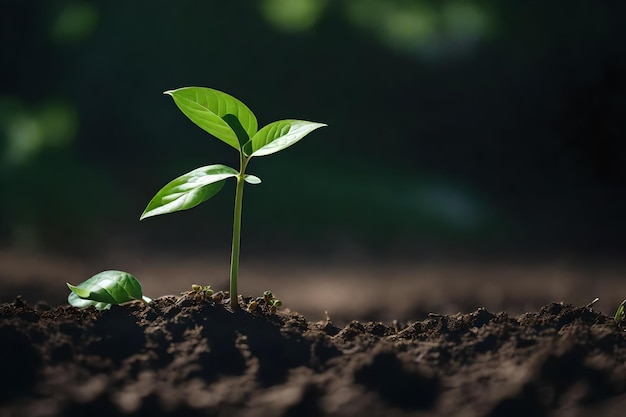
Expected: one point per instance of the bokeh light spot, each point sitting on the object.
(27, 132)
(74, 23)
(293, 15)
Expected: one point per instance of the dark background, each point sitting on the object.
(480, 129)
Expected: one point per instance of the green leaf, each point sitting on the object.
(81, 292)
(276, 136)
(189, 190)
(251, 179)
(217, 113)
(619, 314)
(78, 302)
(104, 289)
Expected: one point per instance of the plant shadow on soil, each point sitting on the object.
(180, 356)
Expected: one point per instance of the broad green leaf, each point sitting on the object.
(189, 190)
(251, 179)
(217, 113)
(276, 136)
(104, 289)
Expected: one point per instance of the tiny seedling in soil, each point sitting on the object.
(266, 303)
(620, 314)
(205, 291)
(232, 122)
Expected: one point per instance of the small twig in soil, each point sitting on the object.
(590, 305)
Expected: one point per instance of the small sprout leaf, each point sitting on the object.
(106, 288)
(276, 136)
(252, 179)
(217, 113)
(189, 190)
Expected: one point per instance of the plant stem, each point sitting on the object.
(234, 256)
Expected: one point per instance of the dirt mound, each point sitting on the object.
(185, 357)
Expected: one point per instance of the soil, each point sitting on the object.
(184, 355)
(188, 356)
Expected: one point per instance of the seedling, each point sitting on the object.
(232, 122)
(620, 314)
(267, 302)
(268, 296)
(200, 293)
(271, 301)
(106, 288)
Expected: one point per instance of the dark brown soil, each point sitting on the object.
(185, 357)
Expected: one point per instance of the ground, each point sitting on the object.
(182, 356)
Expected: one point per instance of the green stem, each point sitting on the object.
(234, 256)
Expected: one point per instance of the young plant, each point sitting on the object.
(106, 288)
(232, 122)
(268, 303)
(620, 314)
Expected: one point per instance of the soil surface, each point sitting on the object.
(189, 356)
(409, 354)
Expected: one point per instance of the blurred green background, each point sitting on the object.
(455, 126)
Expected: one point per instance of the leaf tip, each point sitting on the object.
(80, 292)
(168, 92)
(147, 213)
